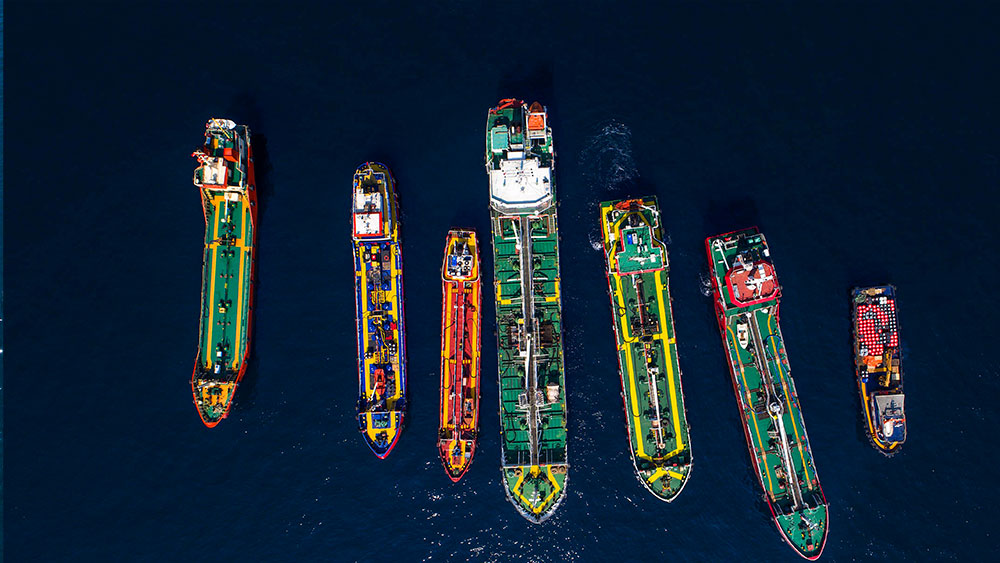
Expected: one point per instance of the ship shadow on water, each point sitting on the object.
(246, 395)
(629, 188)
(720, 217)
(532, 84)
(244, 110)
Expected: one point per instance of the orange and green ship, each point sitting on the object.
(637, 270)
(747, 297)
(225, 176)
(877, 366)
(520, 163)
(461, 324)
(378, 284)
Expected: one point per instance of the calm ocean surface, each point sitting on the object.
(862, 141)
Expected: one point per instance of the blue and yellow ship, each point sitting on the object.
(378, 281)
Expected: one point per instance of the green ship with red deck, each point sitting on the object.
(747, 297)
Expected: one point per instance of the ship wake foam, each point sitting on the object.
(607, 160)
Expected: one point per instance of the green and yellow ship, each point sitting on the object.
(747, 296)
(655, 418)
(225, 176)
(520, 162)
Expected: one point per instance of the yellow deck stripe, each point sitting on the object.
(669, 362)
(363, 287)
(213, 247)
(474, 379)
(517, 486)
(394, 272)
(553, 298)
(548, 469)
(239, 313)
(634, 393)
(628, 356)
(756, 430)
(447, 338)
(777, 360)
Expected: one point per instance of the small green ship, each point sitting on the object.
(520, 161)
(225, 177)
(655, 418)
(747, 296)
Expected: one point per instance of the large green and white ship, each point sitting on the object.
(655, 418)
(520, 162)
(747, 297)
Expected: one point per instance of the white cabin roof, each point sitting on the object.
(214, 171)
(521, 183)
(367, 202)
(367, 224)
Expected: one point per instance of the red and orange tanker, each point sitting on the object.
(460, 332)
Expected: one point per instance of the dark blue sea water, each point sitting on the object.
(862, 140)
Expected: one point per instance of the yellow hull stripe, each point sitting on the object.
(213, 247)
(239, 312)
(630, 371)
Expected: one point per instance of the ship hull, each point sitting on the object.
(240, 283)
(803, 523)
(652, 392)
(461, 324)
(380, 317)
(531, 378)
(877, 363)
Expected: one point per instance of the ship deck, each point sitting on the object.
(460, 349)
(519, 164)
(769, 405)
(227, 280)
(381, 335)
(532, 386)
(877, 357)
(656, 421)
